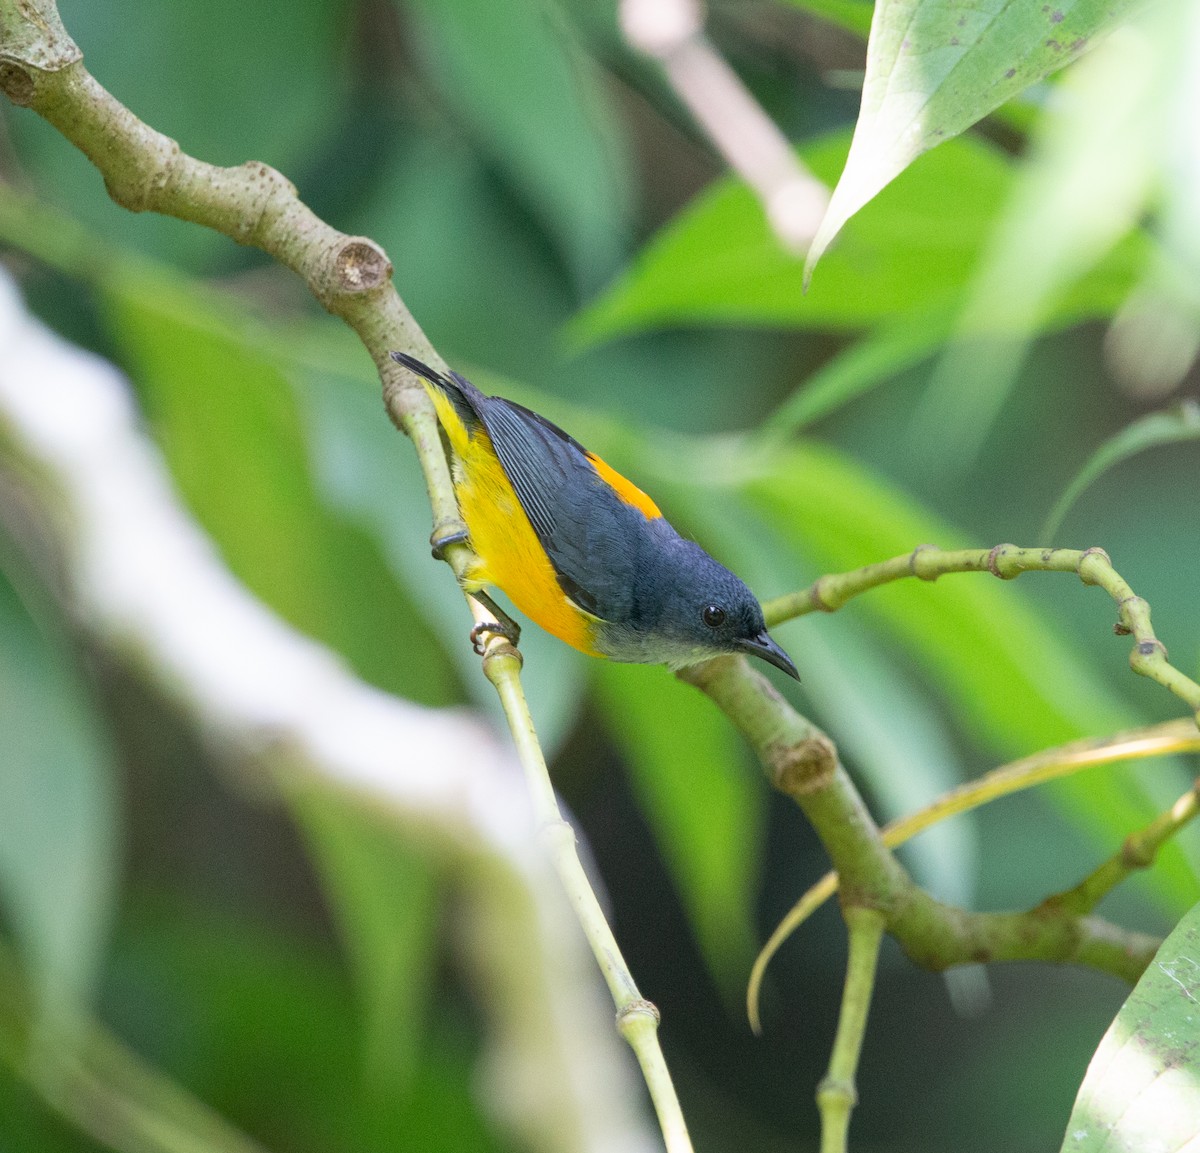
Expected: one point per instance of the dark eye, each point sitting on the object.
(713, 616)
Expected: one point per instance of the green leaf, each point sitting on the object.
(934, 69)
(860, 694)
(856, 690)
(1022, 684)
(275, 56)
(1177, 424)
(226, 416)
(852, 15)
(516, 75)
(384, 896)
(305, 404)
(897, 345)
(1142, 1088)
(58, 814)
(719, 262)
(143, 1109)
(263, 1022)
(704, 802)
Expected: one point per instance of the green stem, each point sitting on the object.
(802, 762)
(836, 1095)
(637, 1018)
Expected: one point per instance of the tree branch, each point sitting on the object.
(1179, 736)
(802, 762)
(144, 170)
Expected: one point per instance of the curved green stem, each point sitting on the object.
(1138, 852)
(1006, 561)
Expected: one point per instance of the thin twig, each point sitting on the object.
(802, 762)
(637, 1018)
(1138, 852)
(1006, 561)
(142, 583)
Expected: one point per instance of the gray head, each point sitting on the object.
(687, 608)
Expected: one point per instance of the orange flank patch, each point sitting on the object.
(625, 489)
(511, 556)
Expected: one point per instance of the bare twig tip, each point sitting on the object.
(360, 265)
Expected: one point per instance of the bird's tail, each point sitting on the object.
(423, 370)
(455, 389)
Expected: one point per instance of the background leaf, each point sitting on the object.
(853, 688)
(59, 819)
(491, 176)
(385, 897)
(1023, 685)
(272, 90)
(229, 425)
(1009, 674)
(719, 262)
(1055, 228)
(888, 349)
(904, 262)
(365, 471)
(935, 69)
(516, 75)
(853, 15)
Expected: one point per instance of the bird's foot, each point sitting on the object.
(503, 625)
(454, 532)
(510, 632)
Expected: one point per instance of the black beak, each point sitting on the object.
(763, 646)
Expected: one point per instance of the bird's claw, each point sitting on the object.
(511, 632)
(440, 541)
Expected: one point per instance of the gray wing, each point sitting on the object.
(590, 535)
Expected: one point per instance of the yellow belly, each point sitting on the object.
(510, 554)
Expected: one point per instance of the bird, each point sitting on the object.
(579, 549)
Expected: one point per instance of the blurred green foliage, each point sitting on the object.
(58, 823)
(564, 236)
